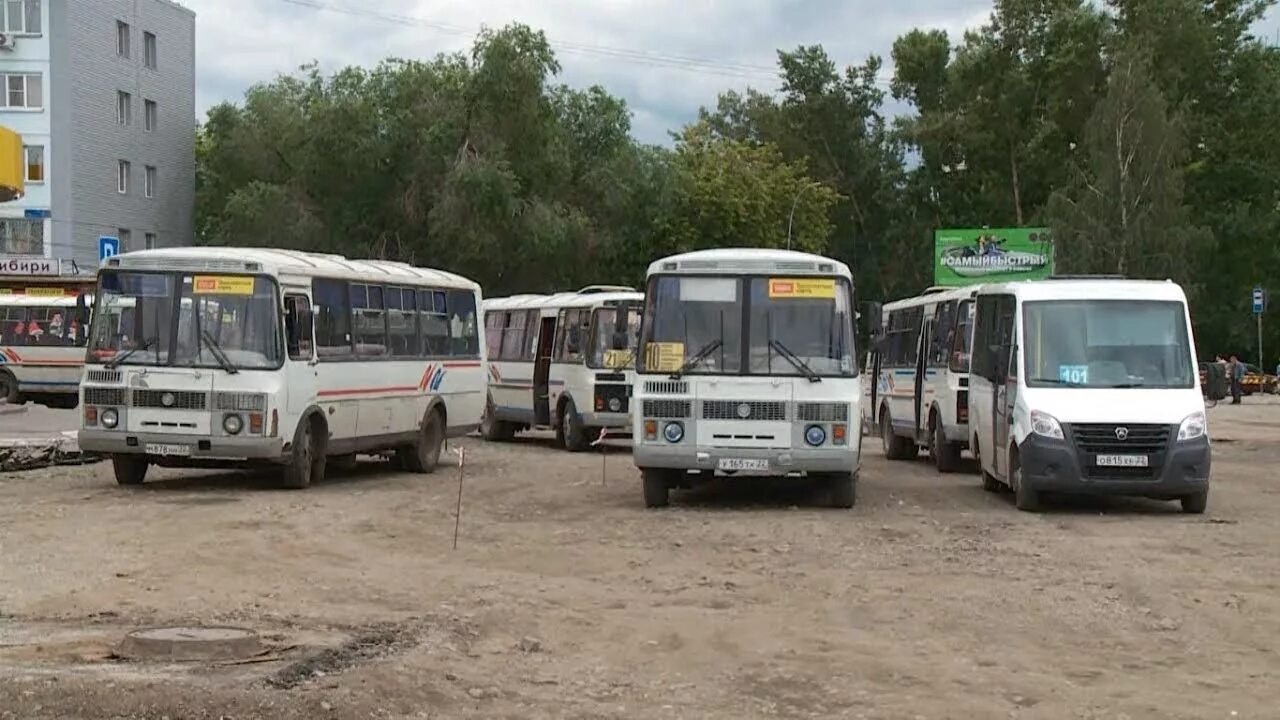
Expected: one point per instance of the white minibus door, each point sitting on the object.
(300, 368)
(542, 372)
(922, 367)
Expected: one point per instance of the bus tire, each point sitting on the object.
(493, 429)
(989, 481)
(9, 388)
(575, 434)
(1196, 503)
(424, 454)
(307, 463)
(946, 455)
(129, 469)
(842, 489)
(657, 490)
(895, 447)
(1025, 498)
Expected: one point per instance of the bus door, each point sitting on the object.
(300, 370)
(1003, 395)
(542, 371)
(922, 368)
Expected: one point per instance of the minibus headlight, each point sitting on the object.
(1046, 425)
(815, 435)
(1192, 427)
(673, 432)
(109, 418)
(615, 404)
(232, 424)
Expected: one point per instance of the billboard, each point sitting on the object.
(967, 257)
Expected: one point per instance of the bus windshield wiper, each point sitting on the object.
(121, 357)
(795, 360)
(697, 357)
(218, 354)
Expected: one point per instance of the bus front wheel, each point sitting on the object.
(575, 434)
(657, 489)
(842, 489)
(129, 469)
(9, 388)
(946, 455)
(307, 462)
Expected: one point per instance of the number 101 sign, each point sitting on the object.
(1073, 374)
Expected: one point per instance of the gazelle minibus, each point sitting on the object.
(746, 367)
(562, 361)
(1088, 386)
(918, 379)
(221, 357)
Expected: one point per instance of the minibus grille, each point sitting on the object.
(1105, 438)
(666, 387)
(667, 409)
(103, 396)
(744, 410)
(822, 412)
(109, 377)
(178, 399)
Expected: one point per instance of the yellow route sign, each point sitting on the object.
(221, 285)
(617, 359)
(663, 357)
(802, 288)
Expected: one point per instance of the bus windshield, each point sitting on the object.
(749, 325)
(606, 351)
(186, 320)
(1107, 344)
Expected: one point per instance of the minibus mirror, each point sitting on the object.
(82, 311)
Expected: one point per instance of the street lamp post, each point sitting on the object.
(794, 203)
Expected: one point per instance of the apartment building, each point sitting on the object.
(103, 94)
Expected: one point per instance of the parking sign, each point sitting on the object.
(108, 246)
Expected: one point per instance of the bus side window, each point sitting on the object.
(298, 326)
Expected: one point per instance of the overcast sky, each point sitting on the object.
(665, 57)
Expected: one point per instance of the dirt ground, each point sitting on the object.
(567, 599)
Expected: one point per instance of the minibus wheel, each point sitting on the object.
(842, 489)
(575, 435)
(657, 492)
(493, 429)
(895, 448)
(307, 462)
(946, 455)
(9, 388)
(1195, 504)
(1025, 498)
(129, 469)
(424, 454)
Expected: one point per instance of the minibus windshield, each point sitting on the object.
(749, 325)
(1107, 344)
(607, 351)
(186, 320)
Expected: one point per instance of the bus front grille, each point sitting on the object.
(667, 409)
(103, 396)
(109, 377)
(666, 387)
(170, 399)
(822, 412)
(744, 410)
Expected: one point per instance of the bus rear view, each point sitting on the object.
(746, 367)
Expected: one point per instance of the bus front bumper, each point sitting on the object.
(611, 420)
(782, 461)
(176, 447)
(1050, 465)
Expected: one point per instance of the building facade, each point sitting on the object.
(103, 94)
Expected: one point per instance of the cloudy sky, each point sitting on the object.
(665, 57)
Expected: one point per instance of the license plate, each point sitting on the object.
(1122, 461)
(742, 464)
(163, 449)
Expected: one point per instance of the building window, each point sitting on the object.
(124, 107)
(122, 38)
(23, 90)
(149, 50)
(150, 111)
(151, 241)
(21, 17)
(122, 179)
(149, 181)
(35, 163)
(126, 239)
(21, 236)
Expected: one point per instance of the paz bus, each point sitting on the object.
(1088, 386)
(43, 324)
(222, 357)
(563, 361)
(746, 367)
(917, 380)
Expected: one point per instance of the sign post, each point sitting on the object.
(108, 246)
(1259, 305)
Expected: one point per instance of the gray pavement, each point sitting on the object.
(31, 423)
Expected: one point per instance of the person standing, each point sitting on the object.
(1236, 369)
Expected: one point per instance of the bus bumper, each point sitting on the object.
(620, 420)
(202, 447)
(1050, 465)
(782, 461)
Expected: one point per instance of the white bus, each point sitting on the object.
(746, 367)
(562, 361)
(216, 357)
(42, 339)
(917, 382)
(1088, 386)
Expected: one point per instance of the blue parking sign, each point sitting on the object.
(108, 246)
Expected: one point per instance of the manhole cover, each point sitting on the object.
(178, 644)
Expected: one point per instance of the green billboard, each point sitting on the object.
(967, 257)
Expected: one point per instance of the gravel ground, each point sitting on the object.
(567, 599)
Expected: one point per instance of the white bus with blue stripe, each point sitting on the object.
(917, 384)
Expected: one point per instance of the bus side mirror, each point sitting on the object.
(82, 310)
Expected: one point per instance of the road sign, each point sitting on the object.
(108, 246)
(1259, 300)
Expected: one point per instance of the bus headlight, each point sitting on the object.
(1046, 425)
(1192, 427)
(815, 435)
(615, 405)
(109, 418)
(232, 424)
(673, 432)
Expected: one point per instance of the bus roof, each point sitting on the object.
(561, 300)
(750, 261)
(1089, 289)
(40, 300)
(278, 262)
(933, 297)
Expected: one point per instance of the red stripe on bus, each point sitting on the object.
(462, 364)
(366, 391)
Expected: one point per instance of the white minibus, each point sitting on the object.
(42, 339)
(917, 384)
(562, 361)
(222, 357)
(1088, 385)
(746, 367)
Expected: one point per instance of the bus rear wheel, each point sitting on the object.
(895, 447)
(129, 469)
(424, 454)
(575, 434)
(9, 388)
(946, 455)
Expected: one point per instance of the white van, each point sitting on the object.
(1088, 386)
